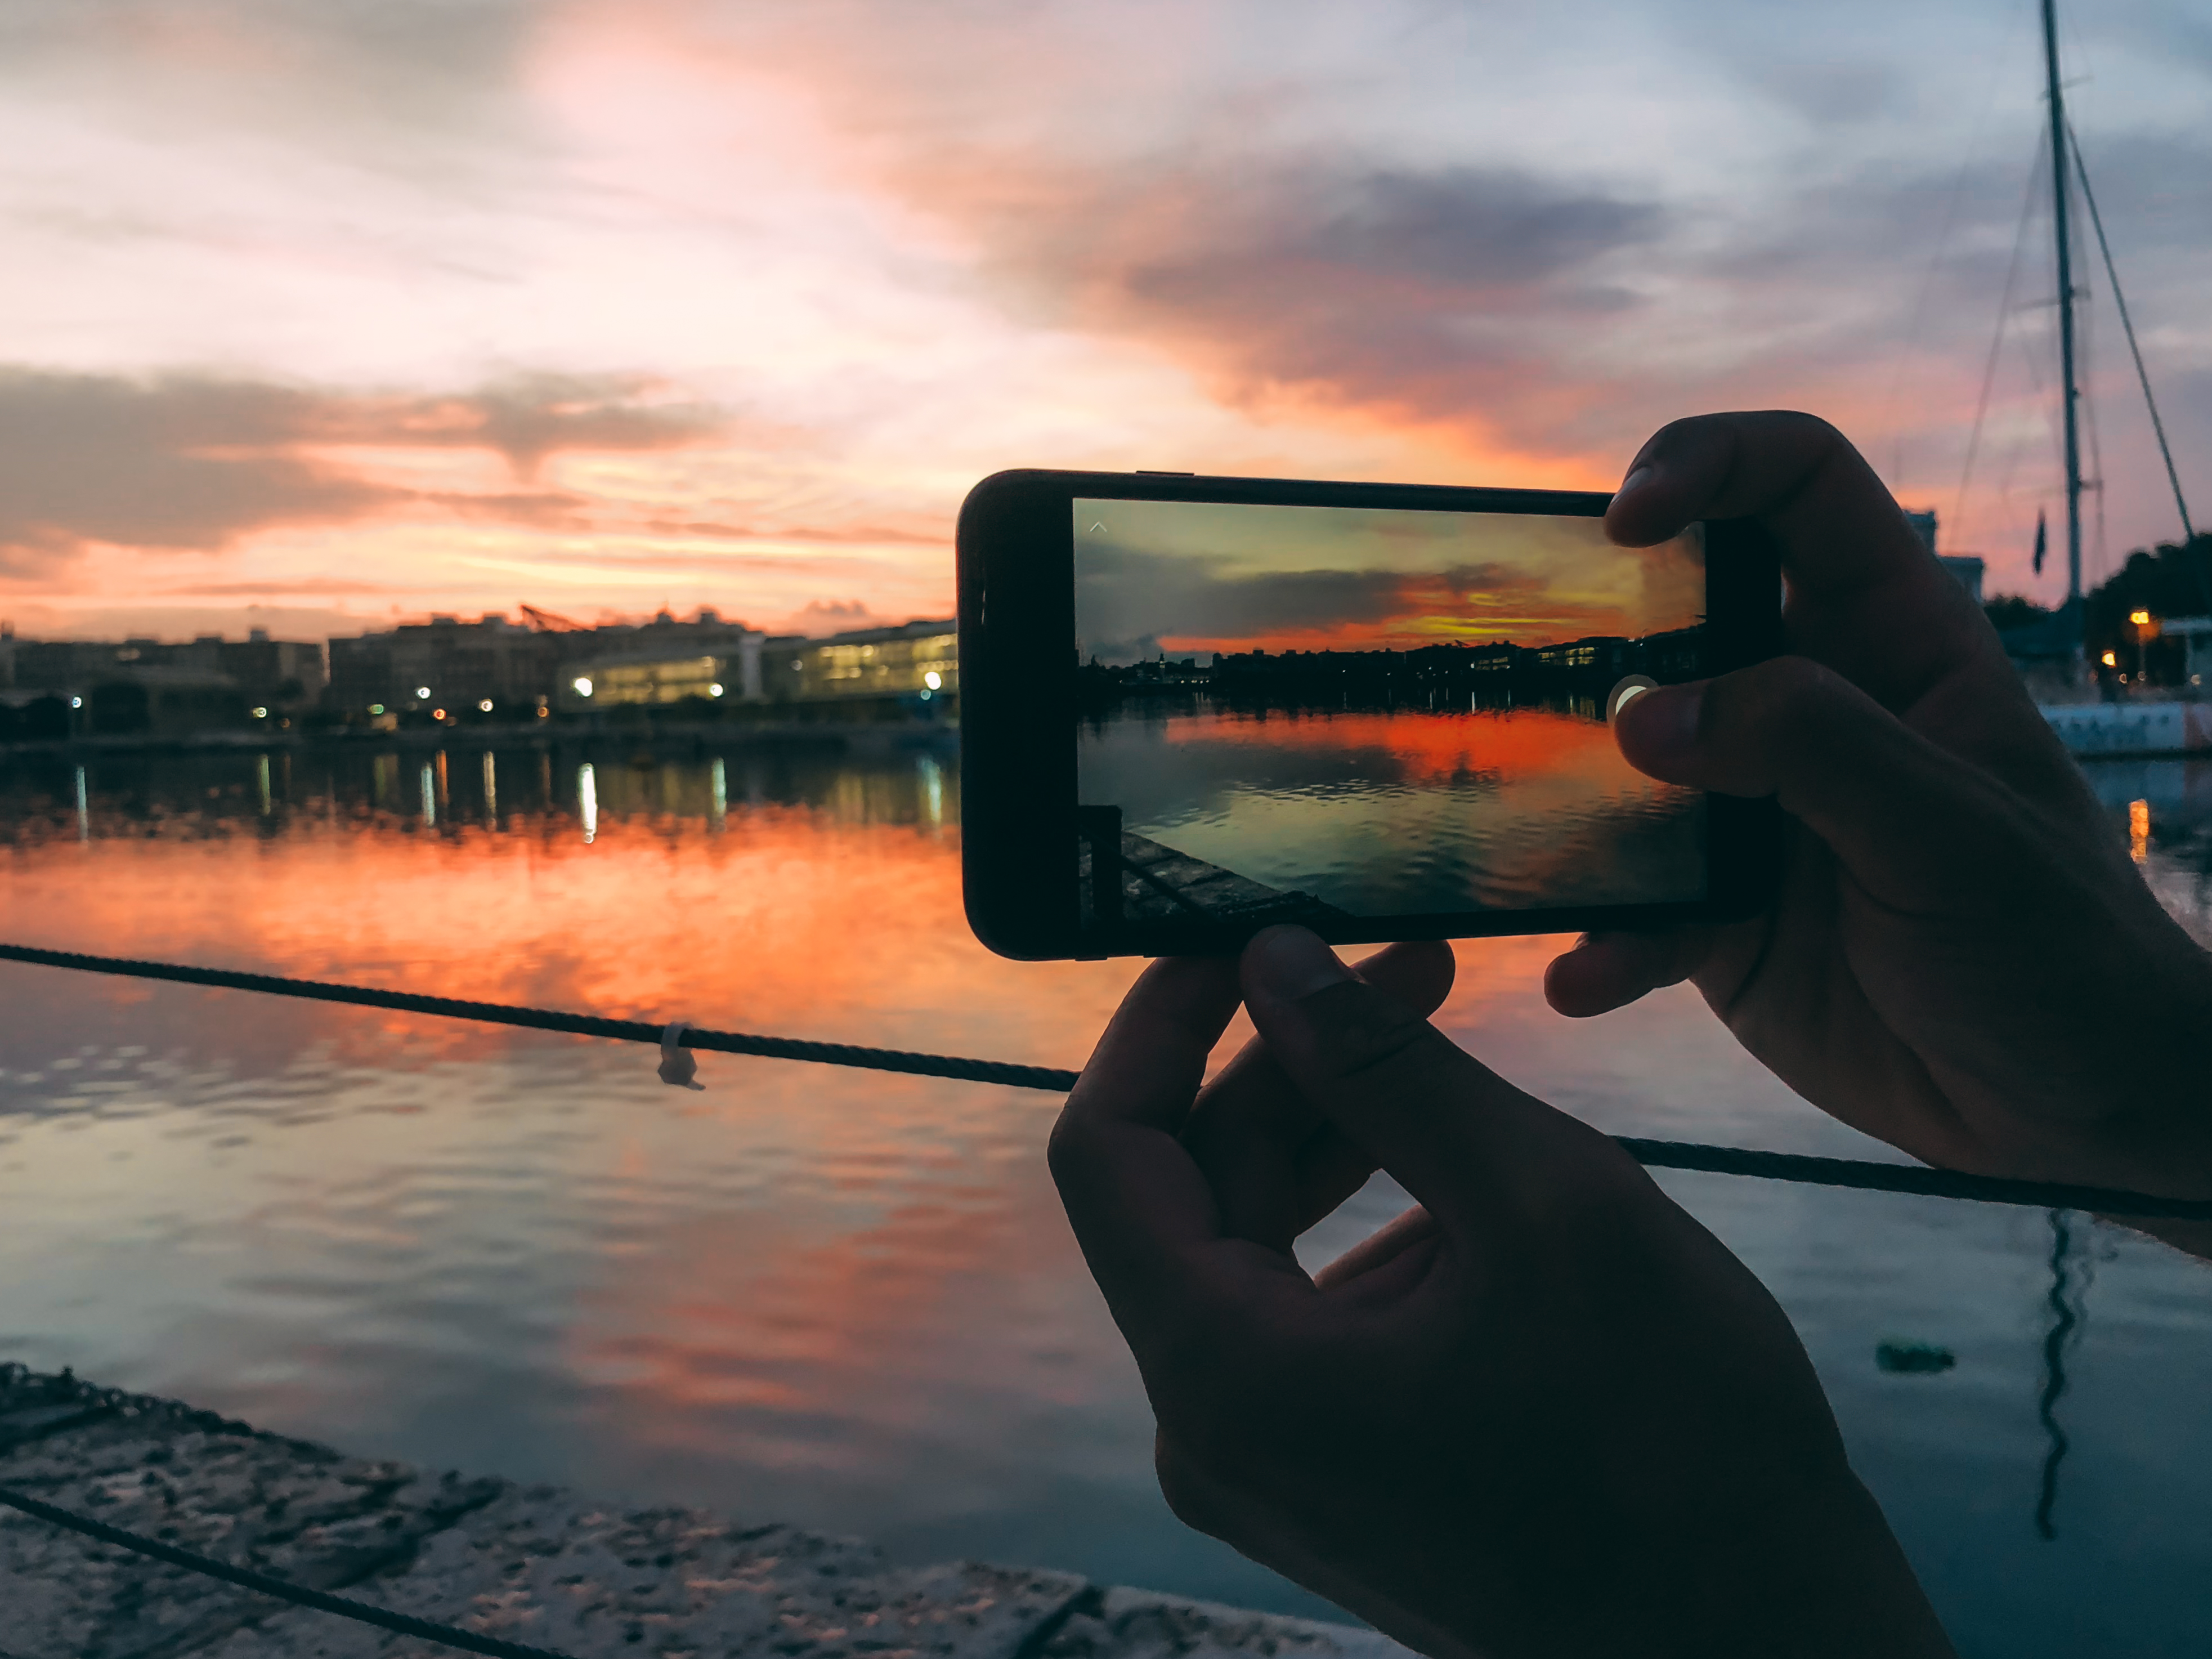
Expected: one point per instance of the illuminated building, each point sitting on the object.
(919, 661)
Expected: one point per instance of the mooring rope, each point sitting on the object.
(1857, 1174)
(262, 1584)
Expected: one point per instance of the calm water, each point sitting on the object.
(1403, 812)
(848, 1299)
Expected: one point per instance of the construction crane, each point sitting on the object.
(545, 622)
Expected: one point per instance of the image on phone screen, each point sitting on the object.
(1311, 713)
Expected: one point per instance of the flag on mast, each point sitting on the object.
(2041, 540)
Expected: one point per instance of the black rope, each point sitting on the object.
(262, 1584)
(549, 1019)
(1855, 1174)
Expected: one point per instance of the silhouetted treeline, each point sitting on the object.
(1495, 673)
(2170, 580)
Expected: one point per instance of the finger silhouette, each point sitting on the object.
(1275, 1160)
(1867, 597)
(1473, 1151)
(1136, 1200)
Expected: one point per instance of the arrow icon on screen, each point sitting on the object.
(1098, 526)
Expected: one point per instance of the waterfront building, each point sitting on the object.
(443, 665)
(495, 668)
(147, 687)
(1967, 567)
(654, 677)
(918, 661)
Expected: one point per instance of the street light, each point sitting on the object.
(2142, 620)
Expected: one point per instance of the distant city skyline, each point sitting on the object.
(318, 318)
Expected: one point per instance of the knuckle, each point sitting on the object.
(1783, 696)
(1366, 1032)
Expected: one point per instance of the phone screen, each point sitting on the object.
(1316, 713)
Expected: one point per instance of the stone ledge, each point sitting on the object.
(536, 1564)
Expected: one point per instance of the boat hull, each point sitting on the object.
(2132, 729)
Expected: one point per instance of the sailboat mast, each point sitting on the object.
(2063, 235)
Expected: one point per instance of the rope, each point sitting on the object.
(1857, 1174)
(549, 1019)
(262, 1584)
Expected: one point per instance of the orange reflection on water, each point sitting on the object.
(1434, 747)
(803, 1275)
(790, 921)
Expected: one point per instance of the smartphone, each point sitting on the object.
(1192, 708)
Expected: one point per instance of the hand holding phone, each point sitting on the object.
(1194, 707)
(1961, 958)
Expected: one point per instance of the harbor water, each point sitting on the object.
(847, 1300)
(1399, 811)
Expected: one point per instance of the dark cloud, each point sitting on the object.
(195, 462)
(1127, 600)
(1371, 285)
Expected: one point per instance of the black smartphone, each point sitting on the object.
(1192, 708)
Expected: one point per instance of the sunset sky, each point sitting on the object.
(1185, 578)
(317, 313)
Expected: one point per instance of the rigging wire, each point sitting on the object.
(2127, 327)
(2000, 65)
(1996, 340)
(2085, 358)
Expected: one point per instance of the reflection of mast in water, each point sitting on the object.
(2065, 1317)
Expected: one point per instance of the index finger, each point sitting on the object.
(1867, 596)
(1134, 1196)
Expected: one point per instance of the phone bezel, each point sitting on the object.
(1018, 713)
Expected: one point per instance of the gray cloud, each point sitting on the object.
(390, 81)
(1124, 595)
(1380, 284)
(1126, 599)
(194, 462)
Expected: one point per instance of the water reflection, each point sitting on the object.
(1383, 812)
(2065, 1322)
(847, 1299)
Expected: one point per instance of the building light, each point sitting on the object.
(437, 713)
(934, 680)
(2110, 660)
(376, 709)
(422, 691)
(484, 707)
(2140, 618)
(77, 702)
(583, 686)
(714, 690)
(261, 714)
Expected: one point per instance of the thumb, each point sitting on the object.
(1912, 822)
(1467, 1145)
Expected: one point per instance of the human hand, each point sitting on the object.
(1544, 1412)
(1961, 958)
